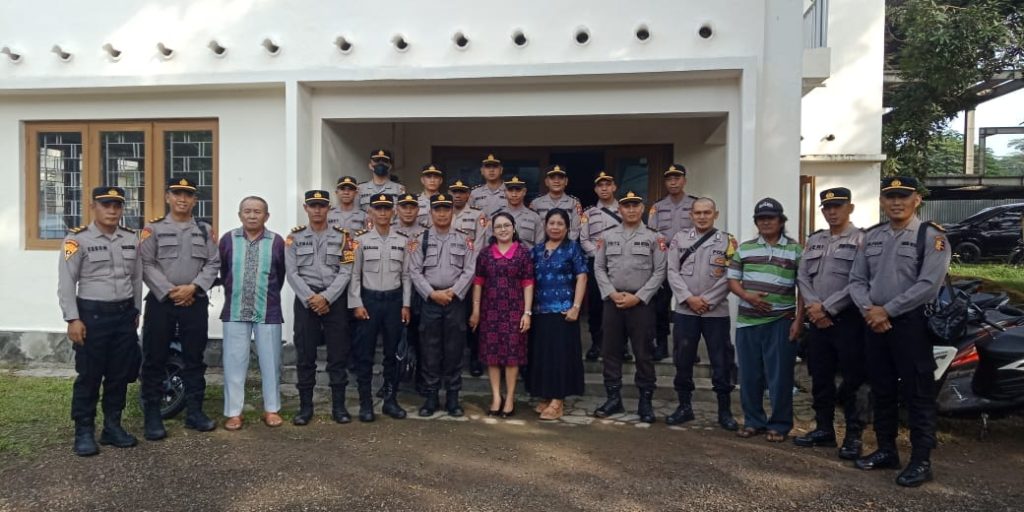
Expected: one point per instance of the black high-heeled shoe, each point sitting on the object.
(508, 414)
(496, 412)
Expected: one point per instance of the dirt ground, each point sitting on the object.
(521, 465)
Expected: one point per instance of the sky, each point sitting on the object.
(1003, 111)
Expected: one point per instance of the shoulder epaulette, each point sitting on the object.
(818, 231)
(463, 231)
(157, 219)
(938, 228)
(477, 186)
(691, 196)
(360, 232)
(575, 198)
(652, 229)
(296, 229)
(398, 231)
(880, 224)
(126, 228)
(79, 229)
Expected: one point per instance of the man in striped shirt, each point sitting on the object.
(763, 274)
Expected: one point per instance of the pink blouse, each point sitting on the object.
(508, 255)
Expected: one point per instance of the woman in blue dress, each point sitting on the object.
(560, 282)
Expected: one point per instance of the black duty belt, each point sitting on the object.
(101, 306)
(374, 294)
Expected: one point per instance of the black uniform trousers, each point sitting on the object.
(637, 325)
(900, 364)
(686, 337)
(385, 310)
(109, 357)
(442, 338)
(839, 348)
(663, 311)
(159, 323)
(595, 306)
(332, 330)
(412, 337)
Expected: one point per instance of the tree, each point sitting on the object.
(945, 156)
(941, 49)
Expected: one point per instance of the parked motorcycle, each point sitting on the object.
(1016, 259)
(172, 388)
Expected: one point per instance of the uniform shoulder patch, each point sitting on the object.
(296, 229)
(339, 229)
(157, 219)
(128, 229)
(399, 233)
(78, 229)
(70, 248)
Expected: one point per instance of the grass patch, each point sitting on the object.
(997, 277)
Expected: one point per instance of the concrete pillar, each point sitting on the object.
(969, 141)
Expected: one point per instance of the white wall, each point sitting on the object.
(251, 161)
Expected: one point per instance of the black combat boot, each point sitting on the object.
(391, 407)
(305, 413)
(338, 410)
(916, 473)
(817, 437)
(85, 439)
(725, 419)
(366, 405)
(645, 409)
(595, 347)
(660, 348)
(153, 422)
(684, 412)
(384, 390)
(195, 418)
(451, 404)
(882, 458)
(852, 446)
(430, 405)
(614, 403)
(114, 434)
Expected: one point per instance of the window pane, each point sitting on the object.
(631, 174)
(123, 164)
(189, 154)
(60, 183)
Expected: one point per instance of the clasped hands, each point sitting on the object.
(183, 295)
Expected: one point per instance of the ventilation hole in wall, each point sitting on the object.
(705, 31)
(400, 43)
(112, 52)
(63, 55)
(165, 52)
(216, 48)
(271, 47)
(519, 38)
(643, 34)
(344, 46)
(11, 54)
(582, 36)
(460, 40)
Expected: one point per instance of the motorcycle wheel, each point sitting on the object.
(173, 388)
(1017, 258)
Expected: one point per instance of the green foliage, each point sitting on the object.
(945, 156)
(942, 49)
(997, 277)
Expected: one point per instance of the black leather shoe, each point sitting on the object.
(644, 408)
(476, 368)
(682, 414)
(451, 404)
(613, 405)
(113, 434)
(429, 405)
(593, 354)
(303, 417)
(339, 413)
(366, 406)
(153, 423)
(391, 407)
(878, 459)
(816, 437)
(85, 441)
(196, 419)
(915, 474)
(851, 448)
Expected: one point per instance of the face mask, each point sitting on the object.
(381, 169)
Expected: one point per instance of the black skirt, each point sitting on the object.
(555, 357)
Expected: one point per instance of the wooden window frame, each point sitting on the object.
(155, 176)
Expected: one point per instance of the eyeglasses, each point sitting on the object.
(502, 226)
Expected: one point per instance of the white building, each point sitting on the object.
(272, 98)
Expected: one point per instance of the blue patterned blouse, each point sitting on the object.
(555, 276)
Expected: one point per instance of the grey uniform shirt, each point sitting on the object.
(570, 204)
(412, 231)
(669, 218)
(824, 272)
(352, 220)
(368, 189)
(449, 262)
(424, 216)
(318, 261)
(885, 268)
(630, 261)
(379, 266)
(472, 221)
(177, 253)
(703, 274)
(487, 200)
(97, 266)
(529, 226)
(595, 222)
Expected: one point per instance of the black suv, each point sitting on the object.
(992, 232)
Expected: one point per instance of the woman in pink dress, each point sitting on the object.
(502, 302)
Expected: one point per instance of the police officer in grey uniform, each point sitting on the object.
(629, 267)
(180, 262)
(697, 262)
(347, 215)
(669, 216)
(473, 221)
(379, 294)
(318, 266)
(555, 179)
(441, 267)
(99, 287)
(405, 222)
(836, 337)
(897, 271)
(529, 225)
(380, 182)
(489, 196)
(432, 178)
(595, 221)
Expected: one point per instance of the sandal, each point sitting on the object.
(542, 406)
(233, 423)
(774, 437)
(748, 432)
(553, 412)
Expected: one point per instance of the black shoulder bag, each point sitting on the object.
(693, 248)
(947, 321)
